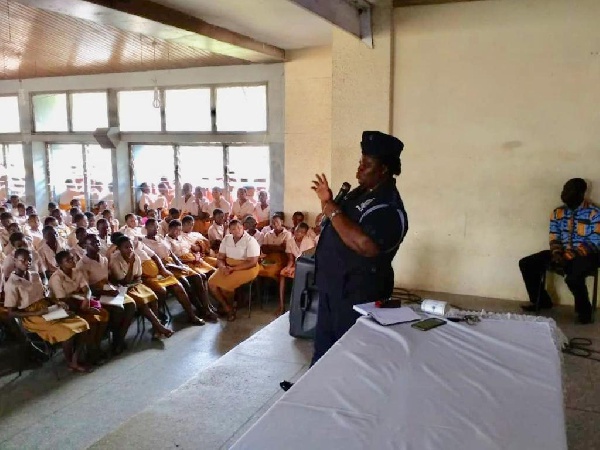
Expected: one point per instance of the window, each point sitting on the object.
(153, 164)
(89, 111)
(12, 171)
(202, 166)
(137, 113)
(188, 110)
(249, 166)
(50, 112)
(9, 111)
(242, 108)
(69, 179)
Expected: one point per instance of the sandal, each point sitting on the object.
(197, 321)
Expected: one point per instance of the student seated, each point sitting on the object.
(70, 218)
(78, 250)
(126, 270)
(193, 282)
(217, 231)
(297, 219)
(218, 202)
(33, 230)
(68, 285)
(25, 299)
(61, 228)
(190, 246)
(12, 229)
(79, 221)
(250, 227)
(131, 229)
(49, 249)
(574, 250)
(294, 248)
(161, 202)
(262, 211)
(91, 218)
(242, 207)
(18, 240)
(163, 229)
(237, 264)
(202, 203)
(95, 269)
(108, 216)
(103, 228)
(21, 216)
(274, 245)
(146, 199)
(6, 218)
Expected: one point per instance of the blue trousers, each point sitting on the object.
(335, 316)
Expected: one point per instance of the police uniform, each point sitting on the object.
(345, 278)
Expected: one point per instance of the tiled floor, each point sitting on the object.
(183, 396)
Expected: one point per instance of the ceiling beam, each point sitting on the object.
(353, 16)
(154, 20)
(401, 3)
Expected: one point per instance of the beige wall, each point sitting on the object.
(497, 103)
(307, 127)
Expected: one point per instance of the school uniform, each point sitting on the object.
(63, 286)
(223, 205)
(216, 232)
(182, 249)
(241, 210)
(145, 200)
(273, 263)
(161, 202)
(36, 236)
(8, 265)
(131, 233)
(27, 294)
(292, 248)
(258, 236)
(187, 205)
(236, 253)
(77, 251)
(48, 256)
(261, 214)
(141, 294)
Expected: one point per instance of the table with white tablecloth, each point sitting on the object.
(493, 385)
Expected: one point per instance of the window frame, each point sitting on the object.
(69, 95)
(16, 95)
(53, 196)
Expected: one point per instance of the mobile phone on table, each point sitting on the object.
(428, 324)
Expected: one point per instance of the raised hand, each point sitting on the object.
(321, 187)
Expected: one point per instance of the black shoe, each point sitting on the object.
(531, 307)
(584, 320)
(286, 385)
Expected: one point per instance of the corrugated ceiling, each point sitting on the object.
(38, 43)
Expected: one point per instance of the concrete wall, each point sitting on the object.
(497, 103)
(307, 127)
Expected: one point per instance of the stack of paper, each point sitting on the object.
(55, 312)
(387, 316)
(114, 301)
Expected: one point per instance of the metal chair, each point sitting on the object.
(38, 345)
(594, 296)
(240, 290)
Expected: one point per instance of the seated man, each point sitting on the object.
(300, 243)
(574, 246)
(237, 265)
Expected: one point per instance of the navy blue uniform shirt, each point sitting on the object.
(342, 272)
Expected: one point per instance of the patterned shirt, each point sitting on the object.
(575, 232)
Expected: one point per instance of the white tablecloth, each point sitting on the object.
(495, 385)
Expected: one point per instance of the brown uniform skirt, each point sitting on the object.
(200, 266)
(141, 294)
(272, 265)
(150, 276)
(55, 331)
(229, 283)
